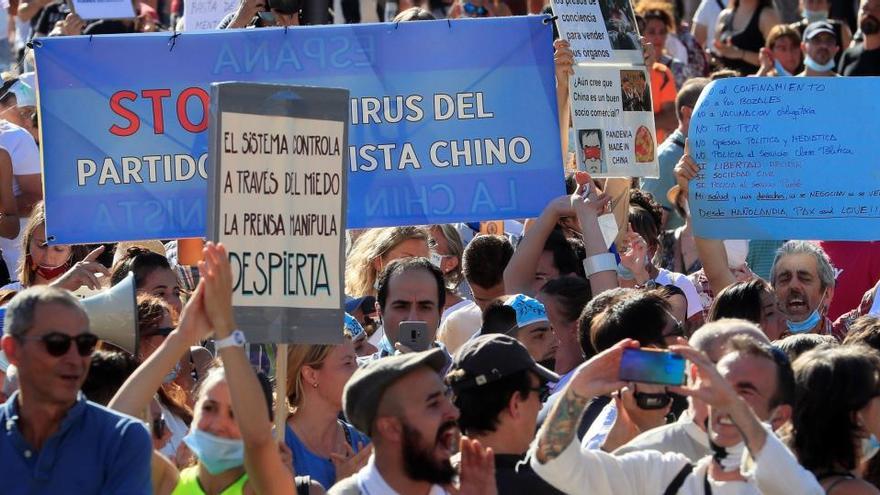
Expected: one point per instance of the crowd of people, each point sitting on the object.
(517, 389)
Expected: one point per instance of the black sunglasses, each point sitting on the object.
(543, 392)
(57, 343)
(159, 426)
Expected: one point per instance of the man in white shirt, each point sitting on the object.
(688, 435)
(750, 385)
(27, 184)
(401, 403)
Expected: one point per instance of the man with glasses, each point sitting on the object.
(53, 440)
(499, 389)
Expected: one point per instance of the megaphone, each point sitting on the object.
(113, 314)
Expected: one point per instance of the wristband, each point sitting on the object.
(605, 262)
(235, 339)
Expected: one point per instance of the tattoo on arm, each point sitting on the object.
(561, 426)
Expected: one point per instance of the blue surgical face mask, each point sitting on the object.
(815, 15)
(870, 447)
(809, 323)
(624, 272)
(816, 66)
(780, 70)
(215, 453)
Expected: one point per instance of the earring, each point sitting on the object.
(315, 385)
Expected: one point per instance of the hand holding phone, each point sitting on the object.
(652, 366)
(414, 335)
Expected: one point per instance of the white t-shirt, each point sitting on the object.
(707, 15)
(665, 277)
(22, 149)
(459, 326)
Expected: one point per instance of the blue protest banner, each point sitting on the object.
(781, 159)
(449, 121)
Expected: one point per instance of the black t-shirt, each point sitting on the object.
(524, 480)
(857, 61)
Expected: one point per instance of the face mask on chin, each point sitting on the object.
(816, 66)
(215, 453)
(49, 272)
(810, 322)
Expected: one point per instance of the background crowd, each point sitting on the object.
(518, 389)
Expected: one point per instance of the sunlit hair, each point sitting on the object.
(298, 357)
(26, 273)
(456, 249)
(360, 274)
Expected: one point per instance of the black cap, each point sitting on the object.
(363, 392)
(818, 27)
(487, 358)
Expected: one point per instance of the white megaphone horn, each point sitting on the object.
(113, 314)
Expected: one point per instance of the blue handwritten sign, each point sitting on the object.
(439, 131)
(787, 158)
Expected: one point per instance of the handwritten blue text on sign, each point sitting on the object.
(787, 158)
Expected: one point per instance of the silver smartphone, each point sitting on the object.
(414, 334)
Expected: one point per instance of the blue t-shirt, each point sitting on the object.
(321, 469)
(95, 451)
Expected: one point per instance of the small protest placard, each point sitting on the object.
(780, 160)
(277, 201)
(613, 121)
(199, 15)
(103, 9)
(599, 31)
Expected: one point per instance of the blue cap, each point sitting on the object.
(528, 310)
(352, 326)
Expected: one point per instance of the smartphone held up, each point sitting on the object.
(652, 366)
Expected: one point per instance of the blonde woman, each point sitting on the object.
(374, 249)
(323, 446)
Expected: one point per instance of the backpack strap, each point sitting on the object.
(678, 481)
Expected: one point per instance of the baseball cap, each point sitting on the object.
(528, 310)
(363, 392)
(488, 358)
(367, 304)
(818, 27)
(352, 326)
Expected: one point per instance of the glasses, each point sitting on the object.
(543, 391)
(57, 343)
(159, 426)
(677, 328)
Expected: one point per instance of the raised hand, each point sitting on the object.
(348, 463)
(635, 256)
(84, 273)
(477, 469)
(216, 273)
(195, 325)
(563, 59)
(686, 169)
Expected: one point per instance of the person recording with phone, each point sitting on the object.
(411, 296)
(751, 386)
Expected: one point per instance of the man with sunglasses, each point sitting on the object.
(53, 440)
(499, 389)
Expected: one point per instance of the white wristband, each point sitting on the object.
(235, 339)
(605, 262)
